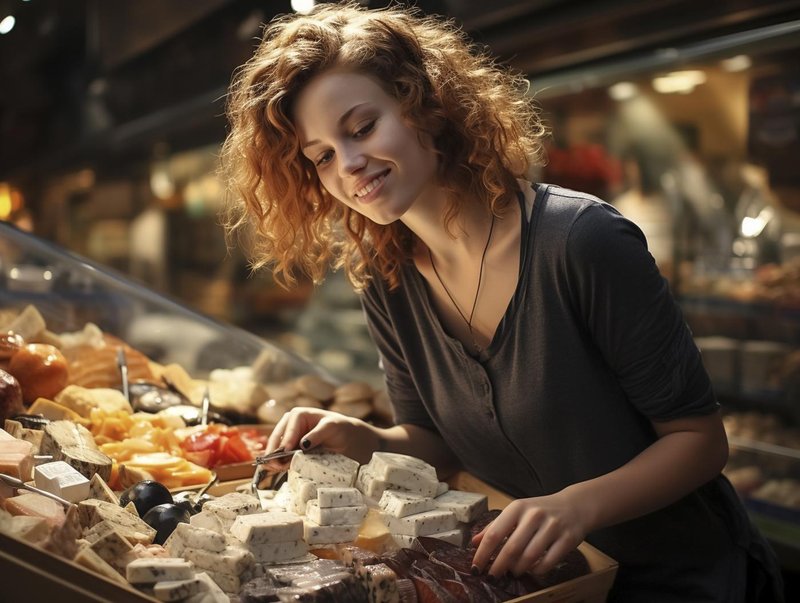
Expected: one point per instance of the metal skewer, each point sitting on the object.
(122, 363)
(19, 484)
(205, 407)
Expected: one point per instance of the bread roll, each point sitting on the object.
(41, 371)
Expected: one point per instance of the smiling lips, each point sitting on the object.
(370, 186)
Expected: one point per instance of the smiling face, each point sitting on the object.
(365, 154)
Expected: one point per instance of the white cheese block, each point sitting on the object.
(188, 536)
(156, 569)
(467, 506)
(113, 548)
(402, 504)
(61, 479)
(380, 582)
(325, 468)
(335, 516)
(254, 530)
(374, 487)
(422, 524)
(443, 487)
(93, 511)
(100, 490)
(211, 592)
(177, 590)
(393, 467)
(328, 496)
(455, 537)
(207, 521)
(233, 560)
(302, 488)
(87, 558)
(317, 534)
(231, 505)
(277, 552)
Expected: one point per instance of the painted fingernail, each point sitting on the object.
(306, 443)
(474, 570)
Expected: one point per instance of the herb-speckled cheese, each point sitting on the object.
(467, 506)
(93, 511)
(328, 497)
(156, 569)
(254, 530)
(188, 536)
(335, 516)
(422, 524)
(325, 468)
(233, 560)
(231, 505)
(177, 590)
(380, 582)
(455, 537)
(317, 534)
(113, 548)
(276, 552)
(402, 504)
(211, 592)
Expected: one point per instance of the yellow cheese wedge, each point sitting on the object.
(55, 412)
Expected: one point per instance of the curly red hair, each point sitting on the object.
(485, 130)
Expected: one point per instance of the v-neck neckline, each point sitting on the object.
(527, 228)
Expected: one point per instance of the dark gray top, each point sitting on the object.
(591, 347)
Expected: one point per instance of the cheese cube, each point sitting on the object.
(317, 534)
(188, 536)
(207, 521)
(233, 560)
(380, 582)
(134, 529)
(254, 530)
(16, 458)
(422, 524)
(455, 537)
(302, 488)
(467, 506)
(335, 516)
(155, 569)
(100, 490)
(443, 487)
(211, 592)
(275, 552)
(394, 467)
(87, 558)
(113, 548)
(402, 504)
(372, 484)
(61, 479)
(328, 496)
(176, 590)
(231, 505)
(325, 468)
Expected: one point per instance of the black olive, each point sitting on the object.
(164, 519)
(145, 495)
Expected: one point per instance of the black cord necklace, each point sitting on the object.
(468, 321)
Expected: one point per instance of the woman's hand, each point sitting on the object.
(308, 428)
(532, 534)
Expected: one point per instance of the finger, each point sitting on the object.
(533, 551)
(513, 547)
(492, 537)
(296, 426)
(554, 554)
(323, 435)
(277, 434)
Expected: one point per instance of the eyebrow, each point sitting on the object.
(345, 116)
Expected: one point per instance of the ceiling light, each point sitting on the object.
(7, 24)
(740, 62)
(622, 91)
(679, 82)
(303, 6)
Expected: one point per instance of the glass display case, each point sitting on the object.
(70, 291)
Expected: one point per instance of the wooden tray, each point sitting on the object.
(34, 574)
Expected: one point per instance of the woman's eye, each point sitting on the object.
(324, 158)
(363, 131)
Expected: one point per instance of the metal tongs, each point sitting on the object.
(271, 469)
(20, 485)
(122, 364)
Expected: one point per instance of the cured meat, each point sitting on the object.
(91, 367)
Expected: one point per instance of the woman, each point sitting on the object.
(525, 332)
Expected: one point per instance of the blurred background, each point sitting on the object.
(683, 114)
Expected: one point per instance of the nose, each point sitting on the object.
(351, 159)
